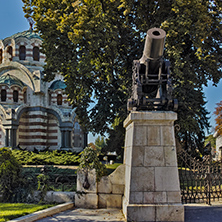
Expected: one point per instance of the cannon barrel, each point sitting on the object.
(154, 47)
(152, 87)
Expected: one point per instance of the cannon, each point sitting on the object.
(151, 86)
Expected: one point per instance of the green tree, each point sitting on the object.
(93, 43)
(100, 143)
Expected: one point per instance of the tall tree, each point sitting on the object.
(93, 43)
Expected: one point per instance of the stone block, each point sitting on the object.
(142, 179)
(140, 213)
(118, 176)
(136, 198)
(154, 156)
(88, 201)
(118, 189)
(128, 156)
(125, 203)
(166, 179)
(153, 117)
(170, 156)
(155, 197)
(148, 197)
(172, 213)
(153, 136)
(63, 197)
(129, 136)
(81, 177)
(174, 197)
(102, 200)
(140, 136)
(127, 180)
(137, 156)
(49, 197)
(114, 201)
(167, 136)
(160, 197)
(104, 185)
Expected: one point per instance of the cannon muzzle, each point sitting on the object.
(154, 45)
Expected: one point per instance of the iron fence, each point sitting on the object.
(200, 180)
(55, 181)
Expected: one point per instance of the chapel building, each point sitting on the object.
(34, 114)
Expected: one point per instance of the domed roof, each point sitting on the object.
(58, 84)
(11, 80)
(29, 34)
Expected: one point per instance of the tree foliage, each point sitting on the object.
(90, 160)
(210, 139)
(218, 119)
(93, 43)
(100, 143)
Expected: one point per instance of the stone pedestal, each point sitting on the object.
(152, 191)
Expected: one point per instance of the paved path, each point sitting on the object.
(203, 213)
(193, 213)
(87, 215)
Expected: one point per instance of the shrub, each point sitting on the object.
(14, 185)
(10, 170)
(90, 160)
(46, 158)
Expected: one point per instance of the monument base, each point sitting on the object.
(152, 191)
(154, 212)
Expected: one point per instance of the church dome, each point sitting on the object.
(11, 80)
(29, 34)
(58, 84)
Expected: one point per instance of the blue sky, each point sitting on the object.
(13, 21)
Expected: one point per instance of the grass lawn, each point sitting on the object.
(113, 166)
(10, 211)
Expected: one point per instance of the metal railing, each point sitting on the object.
(200, 180)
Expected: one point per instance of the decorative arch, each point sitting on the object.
(2, 113)
(9, 50)
(24, 108)
(28, 77)
(9, 47)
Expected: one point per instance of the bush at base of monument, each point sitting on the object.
(90, 160)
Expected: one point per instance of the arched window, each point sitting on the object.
(9, 51)
(15, 96)
(36, 53)
(3, 95)
(50, 98)
(22, 52)
(59, 99)
(25, 96)
(0, 56)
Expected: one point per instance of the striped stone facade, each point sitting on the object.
(38, 129)
(34, 114)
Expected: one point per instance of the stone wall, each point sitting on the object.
(107, 193)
